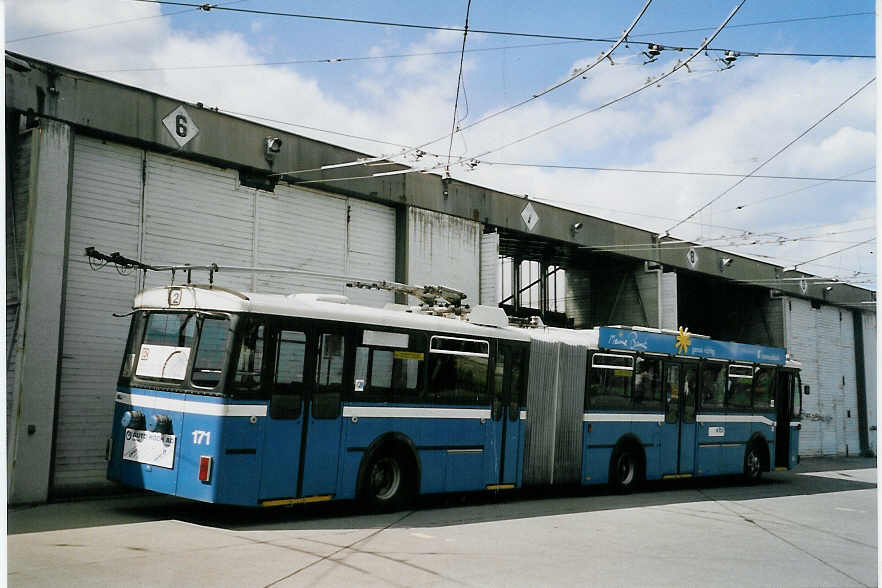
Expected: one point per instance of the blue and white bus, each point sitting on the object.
(265, 400)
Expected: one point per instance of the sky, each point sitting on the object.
(395, 88)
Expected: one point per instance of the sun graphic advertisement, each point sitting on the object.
(684, 340)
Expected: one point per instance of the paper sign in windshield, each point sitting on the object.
(163, 361)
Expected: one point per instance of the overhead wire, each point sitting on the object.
(796, 265)
(802, 189)
(336, 59)
(481, 31)
(331, 60)
(465, 33)
(311, 128)
(119, 22)
(652, 81)
(760, 23)
(772, 157)
(579, 72)
(676, 172)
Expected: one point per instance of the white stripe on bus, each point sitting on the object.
(734, 418)
(607, 417)
(192, 406)
(411, 412)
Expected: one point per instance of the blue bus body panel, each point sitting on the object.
(687, 447)
(495, 446)
(600, 441)
(513, 451)
(793, 458)
(241, 458)
(613, 338)
(189, 453)
(322, 456)
(281, 456)
(453, 453)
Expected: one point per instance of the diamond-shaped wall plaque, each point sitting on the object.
(180, 126)
(530, 217)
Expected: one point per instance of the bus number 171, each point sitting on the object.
(200, 436)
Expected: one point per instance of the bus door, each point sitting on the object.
(505, 429)
(280, 474)
(787, 400)
(321, 458)
(678, 432)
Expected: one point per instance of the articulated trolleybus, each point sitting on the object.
(264, 400)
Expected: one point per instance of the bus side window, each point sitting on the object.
(609, 381)
(458, 371)
(713, 386)
(329, 377)
(287, 393)
(647, 384)
(390, 374)
(246, 381)
(764, 389)
(739, 385)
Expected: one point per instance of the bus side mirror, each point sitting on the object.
(805, 390)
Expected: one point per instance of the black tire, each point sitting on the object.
(387, 483)
(625, 470)
(753, 463)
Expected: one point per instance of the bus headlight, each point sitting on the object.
(159, 423)
(132, 419)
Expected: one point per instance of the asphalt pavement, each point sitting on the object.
(814, 526)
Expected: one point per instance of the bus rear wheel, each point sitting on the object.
(753, 463)
(625, 470)
(387, 483)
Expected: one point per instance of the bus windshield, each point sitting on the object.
(177, 348)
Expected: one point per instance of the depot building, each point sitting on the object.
(94, 163)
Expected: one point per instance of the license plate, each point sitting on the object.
(150, 448)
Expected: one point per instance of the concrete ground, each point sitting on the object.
(814, 526)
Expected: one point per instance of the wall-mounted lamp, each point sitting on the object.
(271, 146)
(575, 228)
(828, 289)
(725, 262)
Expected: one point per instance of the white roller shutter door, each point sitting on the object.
(198, 214)
(823, 340)
(370, 249)
(490, 269)
(326, 240)
(105, 213)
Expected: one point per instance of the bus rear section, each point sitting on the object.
(174, 431)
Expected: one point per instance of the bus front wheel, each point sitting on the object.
(387, 485)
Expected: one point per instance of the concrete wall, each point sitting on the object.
(869, 339)
(38, 354)
(668, 300)
(444, 250)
